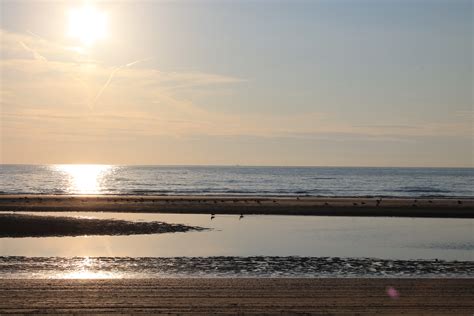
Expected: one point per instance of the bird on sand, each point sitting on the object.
(241, 216)
(213, 216)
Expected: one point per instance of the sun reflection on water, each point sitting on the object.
(84, 179)
(84, 274)
(87, 268)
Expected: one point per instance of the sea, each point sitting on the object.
(253, 246)
(237, 180)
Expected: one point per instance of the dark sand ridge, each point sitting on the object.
(16, 225)
(401, 207)
(239, 296)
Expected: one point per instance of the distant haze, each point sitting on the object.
(338, 83)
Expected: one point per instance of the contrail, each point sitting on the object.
(112, 75)
(136, 62)
(36, 55)
(35, 35)
(40, 57)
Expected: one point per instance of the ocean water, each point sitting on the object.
(255, 246)
(209, 180)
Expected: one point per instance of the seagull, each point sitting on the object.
(241, 216)
(213, 216)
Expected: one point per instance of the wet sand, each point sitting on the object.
(243, 296)
(400, 207)
(21, 225)
(231, 267)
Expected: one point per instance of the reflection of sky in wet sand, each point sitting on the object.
(87, 268)
(392, 238)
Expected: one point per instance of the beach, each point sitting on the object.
(336, 286)
(355, 206)
(240, 296)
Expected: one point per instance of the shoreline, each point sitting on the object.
(239, 296)
(239, 196)
(248, 205)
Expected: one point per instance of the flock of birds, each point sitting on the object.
(241, 216)
(377, 203)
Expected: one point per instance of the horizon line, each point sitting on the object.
(240, 165)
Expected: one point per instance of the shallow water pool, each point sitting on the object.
(254, 246)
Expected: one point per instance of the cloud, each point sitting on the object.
(420, 129)
(112, 74)
(51, 91)
(68, 80)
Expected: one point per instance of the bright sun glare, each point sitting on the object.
(88, 24)
(84, 179)
(87, 269)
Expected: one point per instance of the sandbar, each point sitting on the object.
(356, 206)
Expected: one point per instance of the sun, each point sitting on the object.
(88, 24)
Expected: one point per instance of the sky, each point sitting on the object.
(313, 83)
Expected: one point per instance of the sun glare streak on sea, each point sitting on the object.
(84, 179)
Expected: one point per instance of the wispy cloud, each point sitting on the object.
(35, 53)
(112, 74)
(49, 90)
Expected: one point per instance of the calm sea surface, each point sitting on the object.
(163, 180)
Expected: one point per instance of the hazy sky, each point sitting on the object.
(355, 83)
